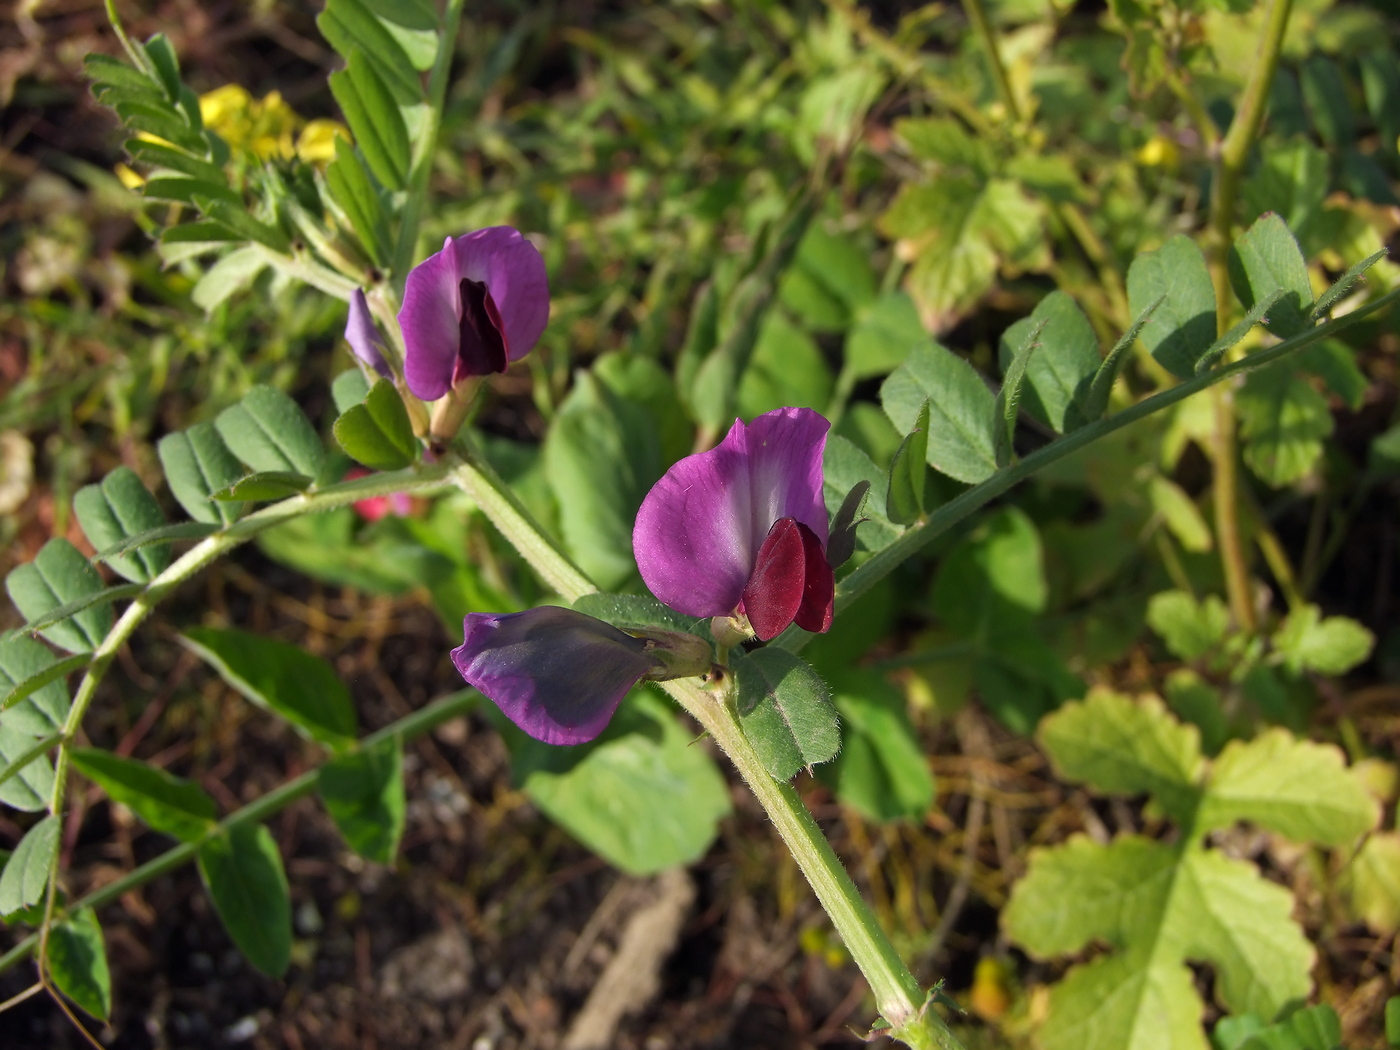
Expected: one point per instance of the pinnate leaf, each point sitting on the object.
(167, 803)
(268, 432)
(242, 872)
(27, 871)
(283, 678)
(197, 464)
(77, 961)
(58, 575)
(1265, 259)
(117, 509)
(1060, 373)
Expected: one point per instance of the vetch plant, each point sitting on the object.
(749, 548)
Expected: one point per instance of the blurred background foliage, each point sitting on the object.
(896, 184)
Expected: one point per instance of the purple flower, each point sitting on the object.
(557, 674)
(742, 528)
(471, 309)
(363, 337)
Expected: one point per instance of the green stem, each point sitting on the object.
(945, 517)
(409, 727)
(426, 146)
(1234, 153)
(977, 15)
(897, 993)
(479, 480)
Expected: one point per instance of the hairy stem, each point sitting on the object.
(1234, 152)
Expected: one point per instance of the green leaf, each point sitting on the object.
(904, 502)
(643, 800)
(27, 871)
(104, 69)
(264, 485)
(169, 804)
(117, 509)
(197, 464)
(1292, 179)
(1008, 401)
(635, 611)
(1122, 747)
(1095, 402)
(377, 432)
(1062, 371)
(844, 466)
(96, 599)
(237, 219)
(1325, 92)
(1190, 628)
(1081, 892)
(242, 872)
(830, 279)
(184, 190)
(601, 459)
(1195, 700)
(993, 577)
(349, 183)
(1374, 885)
(882, 771)
(167, 67)
(32, 699)
(1311, 1028)
(1156, 906)
(364, 794)
(162, 156)
(161, 534)
(77, 961)
(883, 336)
(1183, 325)
(1282, 423)
(374, 118)
(786, 368)
(962, 411)
(1266, 258)
(267, 431)
(1297, 788)
(959, 230)
(349, 389)
(59, 574)
(1331, 646)
(283, 678)
(786, 711)
(30, 787)
(193, 239)
(162, 122)
(1334, 363)
(231, 274)
(1180, 514)
(351, 28)
(1257, 313)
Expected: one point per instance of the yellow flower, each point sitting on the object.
(225, 110)
(130, 179)
(1159, 152)
(316, 143)
(265, 127)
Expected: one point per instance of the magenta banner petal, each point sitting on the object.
(557, 674)
(431, 321)
(363, 337)
(700, 529)
(471, 309)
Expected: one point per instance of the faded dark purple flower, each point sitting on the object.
(742, 528)
(471, 309)
(556, 673)
(363, 336)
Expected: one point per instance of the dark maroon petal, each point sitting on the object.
(557, 674)
(363, 337)
(513, 271)
(482, 347)
(818, 588)
(774, 593)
